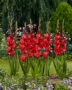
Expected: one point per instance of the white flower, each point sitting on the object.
(20, 28)
(23, 28)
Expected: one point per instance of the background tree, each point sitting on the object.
(23, 10)
(64, 11)
(70, 2)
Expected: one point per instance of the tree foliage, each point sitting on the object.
(23, 10)
(70, 2)
(64, 11)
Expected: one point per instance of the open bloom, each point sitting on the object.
(11, 53)
(59, 44)
(30, 54)
(32, 45)
(45, 54)
(37, 54)
(11, 45)
(23, 57)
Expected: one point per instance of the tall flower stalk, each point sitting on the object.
(60, 47)
(13, 55)
(24, 58)
(48, 60)
(34, 50)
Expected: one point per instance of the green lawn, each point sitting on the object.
(5, 66)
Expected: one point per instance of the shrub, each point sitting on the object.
(64, 11)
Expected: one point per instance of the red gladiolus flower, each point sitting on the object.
(29, 36)
(45, 54)
(25, 51)
(59, 44)
(11, 53)
(21, 41)
(32, 35)
(14, 46)
(21, 47)
(33, 50)
(37, 48)
(9, 49)
(38, 35)
(39, 32)
(24, 36)
(23, 57)
(48, 48)
(35, 40)
(46, 35)
(8, 38)
(11, 45)
(31, 45)
(45, 40)
(37, 54)
(30, 54)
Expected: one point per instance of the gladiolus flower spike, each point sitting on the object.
(59, 44)
(11, 45)
(31, 45)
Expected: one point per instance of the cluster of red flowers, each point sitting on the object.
(59, 43)
(37, 45)
(31, 45)
(11, 45)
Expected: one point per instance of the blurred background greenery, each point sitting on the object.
(23, 10)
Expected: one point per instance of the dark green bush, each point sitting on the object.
(64, 11)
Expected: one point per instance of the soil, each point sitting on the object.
(54, 79)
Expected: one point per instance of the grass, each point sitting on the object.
(5, 66)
